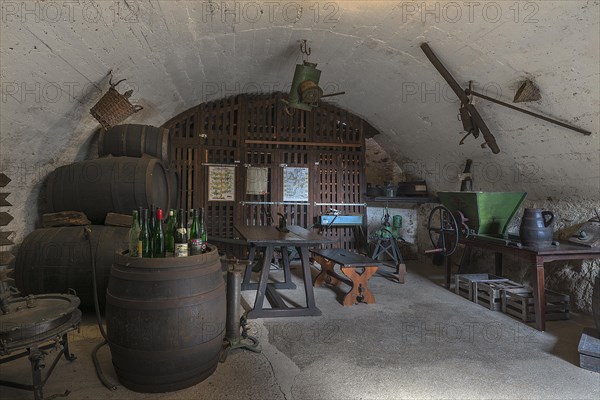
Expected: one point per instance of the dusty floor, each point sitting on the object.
(419, 341)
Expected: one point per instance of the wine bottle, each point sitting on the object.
(203, 233)
(180, 236)
(134, 234)
(151, 225)
(169, 238)
(158, 238)
(194, 240)
(144, 239)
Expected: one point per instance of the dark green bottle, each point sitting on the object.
(203, 233)
(144, 241)
(194, 239)
(169, 230)
(158, 237)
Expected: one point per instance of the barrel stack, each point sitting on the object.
(131, 171)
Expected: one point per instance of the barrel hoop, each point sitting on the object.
(101, 143)
(166, 274)
(172, 353)
(165, 303)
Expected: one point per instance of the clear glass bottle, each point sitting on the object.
(134, 234)
(180, 236)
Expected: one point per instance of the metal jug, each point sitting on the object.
(536, 228)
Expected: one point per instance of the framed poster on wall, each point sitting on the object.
(295, 184)
(221, 183)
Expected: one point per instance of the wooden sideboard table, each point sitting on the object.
(537, 258)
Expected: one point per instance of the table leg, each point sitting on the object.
(285, 258)
(359, 290)
(498, 264)
(262, 283)
(539, 298)
(448, 270)
(308, 289)
(248, 272)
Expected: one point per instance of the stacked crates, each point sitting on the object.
(501, 294)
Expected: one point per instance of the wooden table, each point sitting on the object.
(268, 238)
(348, 262)
(537, 259)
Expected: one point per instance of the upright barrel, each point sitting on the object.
(111, 184)
(54, 260)
(165, 320)
(133, 140)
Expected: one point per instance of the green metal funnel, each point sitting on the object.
(488, 213)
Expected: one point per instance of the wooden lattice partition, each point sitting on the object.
(255, 130)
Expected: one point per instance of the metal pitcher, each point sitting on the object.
(536, 228)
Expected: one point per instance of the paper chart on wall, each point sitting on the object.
(295, 184)
(257, 180)
(221, 183)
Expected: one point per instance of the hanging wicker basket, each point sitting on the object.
(114, 107)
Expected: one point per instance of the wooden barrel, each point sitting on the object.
(54, 260)
(134, 140)
(111, 184)
(165, 320)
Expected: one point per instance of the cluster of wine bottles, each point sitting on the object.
(181, 234)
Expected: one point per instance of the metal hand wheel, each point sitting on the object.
(443, 231)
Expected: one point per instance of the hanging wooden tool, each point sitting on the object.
(472, 120)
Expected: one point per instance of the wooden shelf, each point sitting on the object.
(404, 199)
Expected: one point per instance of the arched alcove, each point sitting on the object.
(256, 141)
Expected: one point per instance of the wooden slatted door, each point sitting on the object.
(257, 131)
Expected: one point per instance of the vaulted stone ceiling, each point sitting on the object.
(175, 54)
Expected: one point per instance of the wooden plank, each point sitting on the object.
(6, 257)
(5, 218)
(4, 180)
(114, 219)
(3, 201)
(4, 240)
(64, 218)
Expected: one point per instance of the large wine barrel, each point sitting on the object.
(111, 184)
(134, 140)
(54, 260)
(165, 320)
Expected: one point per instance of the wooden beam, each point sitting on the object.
(289, 143)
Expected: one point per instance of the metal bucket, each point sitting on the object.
(165, 320)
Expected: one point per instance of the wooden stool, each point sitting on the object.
(349, 263)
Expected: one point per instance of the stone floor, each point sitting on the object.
(420, 341)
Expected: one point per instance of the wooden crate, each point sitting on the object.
(519, 303)
(464, 283)
(490, 294)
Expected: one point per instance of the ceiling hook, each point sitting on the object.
(303, 48)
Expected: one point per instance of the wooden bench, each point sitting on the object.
(349, 262)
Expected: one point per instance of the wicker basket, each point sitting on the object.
(114, 107)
